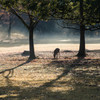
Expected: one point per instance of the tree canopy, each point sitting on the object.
(30, 12)
(90, 10)
(84, 13)
(79, 14)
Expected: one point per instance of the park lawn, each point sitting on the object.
(45, 78)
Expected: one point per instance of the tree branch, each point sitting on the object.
(70, 27)
(93, 29)
(14, 12)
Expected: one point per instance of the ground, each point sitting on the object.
(45, 78)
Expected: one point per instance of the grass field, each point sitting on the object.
(45, 78)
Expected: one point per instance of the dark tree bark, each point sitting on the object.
(31, 39)
(30, 28)
(31, 44)
(81, 52)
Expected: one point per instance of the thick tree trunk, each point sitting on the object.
(31, 44)
(30, 28)
(81, 52)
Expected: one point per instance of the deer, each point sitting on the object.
(56, 53)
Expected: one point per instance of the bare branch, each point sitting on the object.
(70, 27)
(93, 29)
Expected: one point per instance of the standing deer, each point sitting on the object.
(56, 53)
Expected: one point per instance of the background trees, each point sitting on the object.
(6, 20)
(88, 20)
(30, 12)
(77, 14)
(81, 15)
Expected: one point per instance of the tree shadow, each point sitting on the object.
(7, 73)
(43, 93)
(67, 69)
(97, 51)
(9, 91)
(80, 91)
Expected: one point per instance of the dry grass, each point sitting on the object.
(67, 78)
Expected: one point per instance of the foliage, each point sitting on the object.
(81, 15)
(61, 8)
(91, 13)
(35, 10)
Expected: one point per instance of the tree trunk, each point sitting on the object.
(9, 28)
(30, 28)
(81, 52)
(31, 44)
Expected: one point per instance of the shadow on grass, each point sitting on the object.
(11, 70)
(80, 91)
(9, 92)
(97, 51)
(42, 93)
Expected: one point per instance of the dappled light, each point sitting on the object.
(49, 49)
(47, 78)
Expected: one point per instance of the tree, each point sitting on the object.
(82, 32)
(31, 10)
(10, 25)
(83, 15)
(5, 21)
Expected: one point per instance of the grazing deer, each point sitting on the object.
(56, 53)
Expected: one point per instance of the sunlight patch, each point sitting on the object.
(5, 95)
(61, 89)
